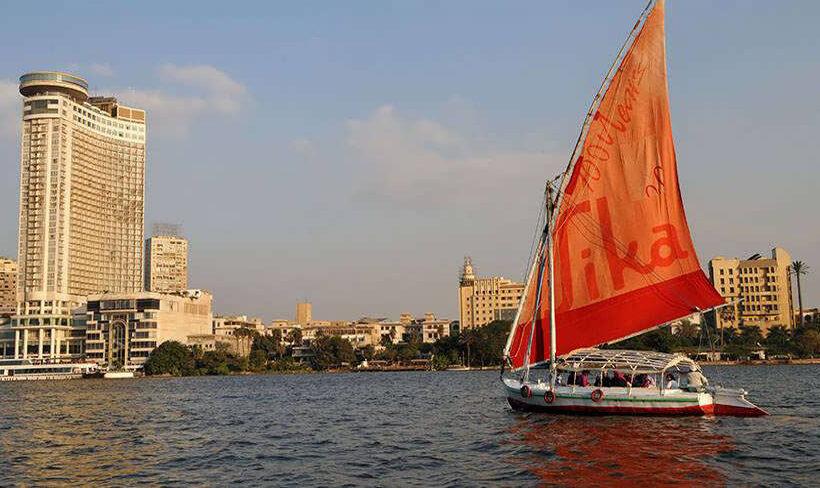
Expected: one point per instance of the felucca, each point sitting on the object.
(616, 259)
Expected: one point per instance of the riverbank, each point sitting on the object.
(762, 362)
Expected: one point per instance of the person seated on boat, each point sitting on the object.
(671, 382)
(582, 378)
(620, 379)
(695, 381)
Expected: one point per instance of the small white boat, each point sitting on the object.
(596, 395)
(118, 375)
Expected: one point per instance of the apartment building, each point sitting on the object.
(482, 300)
(758, 290)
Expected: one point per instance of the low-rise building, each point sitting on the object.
(8, 287)
(123, 328)
(227, 324)
(482, 300)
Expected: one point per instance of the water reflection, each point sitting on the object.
(620, 451)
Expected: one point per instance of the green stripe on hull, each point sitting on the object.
(631, 399)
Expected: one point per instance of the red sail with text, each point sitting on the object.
(624, 258)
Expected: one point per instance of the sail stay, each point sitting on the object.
(624, 261)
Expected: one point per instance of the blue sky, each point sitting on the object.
(353, 152)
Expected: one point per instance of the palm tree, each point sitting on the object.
(799, 268)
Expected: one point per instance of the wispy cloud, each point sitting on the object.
(10, 107)
(420, 161)
(186, 92)
(101, 69)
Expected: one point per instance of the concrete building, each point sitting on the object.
(166, 263)
(123, 328)
(758, 290)
(8, 287)
(304, 314)
(82, 174)
(226, 325)
(482, 300)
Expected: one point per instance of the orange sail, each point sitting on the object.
(624, 261)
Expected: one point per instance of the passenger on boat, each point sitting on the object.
(582, 378)
(671, 382)
(620, 379)
(643, 381)
(695, 381)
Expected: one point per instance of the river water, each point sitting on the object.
(391, 429)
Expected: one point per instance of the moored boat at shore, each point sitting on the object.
(30, 369)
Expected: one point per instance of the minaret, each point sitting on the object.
(467, 274)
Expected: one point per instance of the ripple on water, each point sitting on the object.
(407, 429)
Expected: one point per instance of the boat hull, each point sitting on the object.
(630, 401)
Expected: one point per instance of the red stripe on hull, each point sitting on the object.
(694, 410)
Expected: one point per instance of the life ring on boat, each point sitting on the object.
(549, 396)
(597, 395)
(526, 391)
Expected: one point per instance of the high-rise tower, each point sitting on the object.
(82, 185)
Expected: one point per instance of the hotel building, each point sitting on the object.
(757, 289)
(166, 263)
(8, 287)
(482, 300)
(82, 173)
(123, 328)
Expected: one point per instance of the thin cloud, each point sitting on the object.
(205, 87)
(421, 162)
(101, 70)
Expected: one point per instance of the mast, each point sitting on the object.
(551, 264)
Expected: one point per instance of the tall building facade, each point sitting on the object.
(758, 290)
(304, 313)
(482, 300)
(166, 263)
(8, 287)
(82, 174)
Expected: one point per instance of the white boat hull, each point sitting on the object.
(118, 375)
(628, 401)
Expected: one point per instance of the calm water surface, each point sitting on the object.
(391, 429)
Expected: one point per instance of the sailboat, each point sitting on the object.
(615, 259)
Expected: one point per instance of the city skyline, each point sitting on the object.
(292, 187)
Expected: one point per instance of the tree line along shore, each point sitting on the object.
(476, 348)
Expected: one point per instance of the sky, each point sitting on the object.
(352, 153)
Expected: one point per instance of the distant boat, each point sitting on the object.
(118, 375)
(458, 368)
(616, 259)
(35, 369)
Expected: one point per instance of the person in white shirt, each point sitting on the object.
(671, 382)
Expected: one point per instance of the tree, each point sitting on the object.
(258, 360)
(331, 352)
(270, 346)
(778, 341)
(171, 357)
(243, 336)
(295, 337)
(799, 268)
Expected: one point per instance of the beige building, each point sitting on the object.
(82, 174)
(123, 328)
(758, 290)
(8, 287)
(226, 325)
(482, 300)
(166, 263)
(304, 313)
